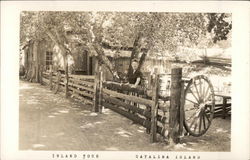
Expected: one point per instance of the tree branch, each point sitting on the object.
(103, 59)
(62, 47)
(58, 36)
(136, 49)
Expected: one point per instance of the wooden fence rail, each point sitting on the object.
(80, 86)
(145, 106)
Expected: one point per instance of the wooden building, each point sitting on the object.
(46, 55)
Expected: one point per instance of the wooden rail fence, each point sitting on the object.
(80, 86)
(144, 106)
(223, 109)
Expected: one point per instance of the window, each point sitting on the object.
(48, 60)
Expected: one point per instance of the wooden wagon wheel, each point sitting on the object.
(199, 105)
(57, 84)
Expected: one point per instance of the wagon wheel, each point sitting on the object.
(57, 84)
(199, 105)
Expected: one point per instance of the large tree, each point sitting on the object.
(147, 32)
(143, 33)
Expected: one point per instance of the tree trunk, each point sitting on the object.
(59, 41)
(33, 73)
(142, 59)
(26, 58)
(36, 61)
(32, 63)
(28, 75)
(56, 39)
(136, 49)
(104, 60)
(28, 68)
(135, 54)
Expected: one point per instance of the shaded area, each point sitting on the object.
(48, 121)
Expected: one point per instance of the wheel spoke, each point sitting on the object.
(205, 95)
(195, 118)
(197, 91)
(191, 116)
(190, 109)
(200, 88)
(193, 94)
(192, 123)
(195, 126)
(204, 121)
(200, 99)
(200, 123)
(192, 102)
(207, 117)
(204, 89)
(207, 98)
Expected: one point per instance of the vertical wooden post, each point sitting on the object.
(181, 110)
(175, 97)
(96, 88)
(38, 74)
(154, 111)
(87, 59)
(41, 74)
(50, 79)
(100, 89)
(224, 107)
(66, 76)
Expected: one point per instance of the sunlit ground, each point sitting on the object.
(48, 121)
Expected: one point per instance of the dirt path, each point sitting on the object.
(48, 121)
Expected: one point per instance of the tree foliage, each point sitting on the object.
(153, 33)
(220, 25)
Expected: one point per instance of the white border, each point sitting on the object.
(9, 70)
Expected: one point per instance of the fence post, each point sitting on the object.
(100, 89)
(224, 107)
(57, 84)
(175, 100)
(181, 111)
(50, 79)
(41, 74)
(66, 78)
(154, 111)
(96, 87)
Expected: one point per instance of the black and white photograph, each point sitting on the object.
(124, 81)
(144, 82)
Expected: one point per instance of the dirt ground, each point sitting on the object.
(48, 121)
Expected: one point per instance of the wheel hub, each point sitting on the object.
(202, 106)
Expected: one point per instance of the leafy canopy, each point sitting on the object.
(161, 32)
